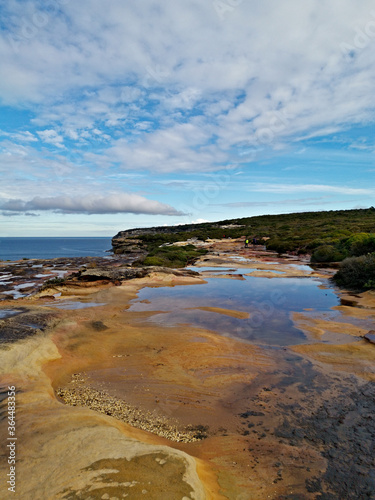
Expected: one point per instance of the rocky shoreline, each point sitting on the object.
(42, 277)
(278, 422)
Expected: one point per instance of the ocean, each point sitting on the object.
(50, 248)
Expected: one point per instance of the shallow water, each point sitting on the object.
(268, 301)
(227, 270)
(7, 313)
(73, 305)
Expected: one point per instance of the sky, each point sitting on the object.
(136, 113)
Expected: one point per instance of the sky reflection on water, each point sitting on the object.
(268, 301)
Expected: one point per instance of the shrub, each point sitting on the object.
(281, 246)
(357, 272)
(153, 261)
(327, 253)
(360, 244)
(172, 256)
(55, 281)
(52, 282)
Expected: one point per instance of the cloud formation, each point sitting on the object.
(212, 78)
(91, 91)
(92, 204)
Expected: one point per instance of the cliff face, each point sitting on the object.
(127, 246)
(132, 233)
(126, 242)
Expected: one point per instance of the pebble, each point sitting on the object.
(79, 393)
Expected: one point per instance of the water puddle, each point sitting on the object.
(7, 313)
(339, 338)
(269, 303)
(54, 272)
(15, 294)
(301, 267)
(239, 258)
(73, 305)
(24, 285)
(212, 269)
(224, 270)
(5, 279)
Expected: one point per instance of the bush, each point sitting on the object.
(153, 261)
(360, 244)
(281, 246)
(357, 272)
(327, 253)
(172, 256)
(52, 282)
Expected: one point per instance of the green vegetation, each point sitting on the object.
(327, 253)
(333, 236)
(346, 232)
(357, 272)
(171, 256)
(52, 282)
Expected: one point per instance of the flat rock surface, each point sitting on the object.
(294, 422)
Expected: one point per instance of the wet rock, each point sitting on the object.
(118, 274)
(23, 325)
(370, 336)
(252, 413)
(313, 485)
(342, 429)
(111, 274)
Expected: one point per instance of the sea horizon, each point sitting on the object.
(50, 247)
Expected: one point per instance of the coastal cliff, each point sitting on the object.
(127, 242)
(327, 237)
(141, 241)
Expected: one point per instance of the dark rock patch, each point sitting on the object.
(98, 326)
(343, 429)
(370, 336)
(23, 325)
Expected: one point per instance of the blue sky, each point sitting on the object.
(125, 114)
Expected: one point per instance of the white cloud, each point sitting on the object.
(92, 204)
(51, 137)
(23, 136)
(199, 221)
(278, 61)
(179, 87)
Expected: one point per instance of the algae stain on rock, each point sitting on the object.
(155, 476)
